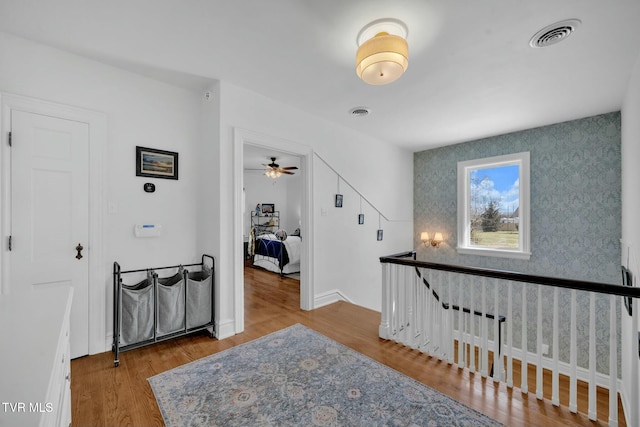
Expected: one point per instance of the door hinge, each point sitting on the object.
(10, 242)
(10, 140)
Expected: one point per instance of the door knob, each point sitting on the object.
(79, 248)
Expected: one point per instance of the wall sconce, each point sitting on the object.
(435, 242)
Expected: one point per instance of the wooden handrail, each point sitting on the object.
(605, 288)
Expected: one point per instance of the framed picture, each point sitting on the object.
(379, 235)
(338, 200)
(268, 208)
(626, 281)
(360, 219)
(154, 163)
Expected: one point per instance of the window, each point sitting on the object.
(493, 206)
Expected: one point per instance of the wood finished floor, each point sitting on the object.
(106, 396)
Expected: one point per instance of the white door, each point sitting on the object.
(49, 212)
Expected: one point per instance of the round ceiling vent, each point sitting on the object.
(554, 33)
(360, 111)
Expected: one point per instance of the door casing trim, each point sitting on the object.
(240, 138)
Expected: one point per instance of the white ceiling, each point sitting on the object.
(471, 71)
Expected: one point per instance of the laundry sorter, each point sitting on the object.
(156, 304)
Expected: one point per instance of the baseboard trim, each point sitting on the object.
(330, 297)
(226, 328)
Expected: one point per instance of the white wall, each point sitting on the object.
(631, 243)
(352, 264)
(284, 192)
(140, 111)
(197, 210)
(350, 251)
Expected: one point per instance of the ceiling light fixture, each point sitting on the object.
(383, 52)
(272, 173)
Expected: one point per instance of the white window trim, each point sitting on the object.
(464, 244)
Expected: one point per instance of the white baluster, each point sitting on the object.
(437, 343)
(461, 339)
(424, 309)
(593, 412)
(406, 309)
(430, 328)
(400, 305)
(418, 308)
(497, 339)
(449, 334)
(524, 381)
(419, 303)
(573, 381)
(539, 390)
(485, 331)
(437, 278)
(613, 363)
(555, 377)
(428, 315)
(410, 301)
(509, 325)
(472, 324)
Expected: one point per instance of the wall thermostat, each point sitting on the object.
(149, 187)
(147, 230)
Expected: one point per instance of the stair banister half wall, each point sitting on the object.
(467, 316)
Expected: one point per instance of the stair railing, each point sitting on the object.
(541, 315)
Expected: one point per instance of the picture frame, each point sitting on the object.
(268, 208)
(627, 281)
(360, 219)
(154, 163)
(338, 200)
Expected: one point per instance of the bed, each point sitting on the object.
(272, 254)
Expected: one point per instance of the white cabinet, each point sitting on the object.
(35, 380)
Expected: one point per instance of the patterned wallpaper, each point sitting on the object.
(575, 211)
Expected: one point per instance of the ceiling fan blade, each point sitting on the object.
(287, 172)
(289, 168)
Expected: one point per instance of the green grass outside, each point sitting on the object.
(495, 239)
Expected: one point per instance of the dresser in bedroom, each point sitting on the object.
(34, 358)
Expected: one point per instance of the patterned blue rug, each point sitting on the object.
(297, 376)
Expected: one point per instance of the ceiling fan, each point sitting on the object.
(274, 170)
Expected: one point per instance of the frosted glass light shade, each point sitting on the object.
(382, 59)
(271, 173)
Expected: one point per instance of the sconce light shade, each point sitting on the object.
(435, 242)
(383, 52)
(437, 239)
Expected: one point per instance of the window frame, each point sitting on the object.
(464, 209)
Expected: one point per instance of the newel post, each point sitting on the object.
(383, 330)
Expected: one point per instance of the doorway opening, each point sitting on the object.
(249, 143)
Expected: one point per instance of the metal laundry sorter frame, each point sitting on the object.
(138, 319)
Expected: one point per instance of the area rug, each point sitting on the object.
(299, 377)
